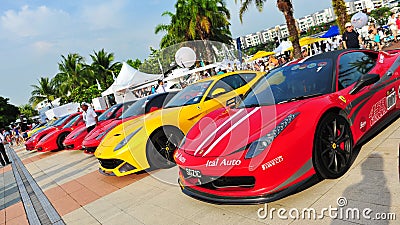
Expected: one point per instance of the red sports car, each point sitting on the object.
(300, 123)
(74, 140)
(53, 140)
(31, 143)
(145, 105)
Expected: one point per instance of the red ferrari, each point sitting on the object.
(299, 124)
(143, 106)
(31, 143)
(54, 140)
(75, 138)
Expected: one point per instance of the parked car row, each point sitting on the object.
(248, 137)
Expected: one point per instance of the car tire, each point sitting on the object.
(61, 139)
(161, 147)
(333, 146)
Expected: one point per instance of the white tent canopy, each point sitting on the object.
(284, 45)
(129, 77)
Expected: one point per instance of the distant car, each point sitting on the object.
(30, 144)
(143, 106)
(300, 123)
(54, 140)
(38, 127)
(73, 141)
(150, 140)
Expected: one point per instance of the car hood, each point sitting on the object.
(226, 131)
(150, 120)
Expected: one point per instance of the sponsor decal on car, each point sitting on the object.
(363, 124)
(272, 163)
(180, 157)
(378, 110)
(224, 162)
(391, 99)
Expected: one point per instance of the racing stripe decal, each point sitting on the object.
(303, 170)
(216, 130)
(229, 130)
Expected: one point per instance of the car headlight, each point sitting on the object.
(101, 135)
(126, 140)
(261, 144)
(182, 142)
(79, 133)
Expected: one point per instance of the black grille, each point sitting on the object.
(110, 163)
(213, 183)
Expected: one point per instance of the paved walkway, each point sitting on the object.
(81, 195)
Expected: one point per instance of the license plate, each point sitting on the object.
(193, 173)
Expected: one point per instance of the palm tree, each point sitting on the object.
(43, 91)
(102, 66)
(196, 20)
(72, 74)
(340, 9)
(286, 7)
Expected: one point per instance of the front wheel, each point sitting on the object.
(60, 140)
(161, 147)
(333, 146)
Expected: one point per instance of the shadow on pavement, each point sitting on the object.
(371, 193)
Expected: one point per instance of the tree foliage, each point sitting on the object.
(286, 7)
(44, 91)
(381, 15)
(339, 7)
(196, 20)
(28, 110)
(76, 79)
(8, 112)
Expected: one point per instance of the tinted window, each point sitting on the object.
(353, 65)
(248, 76)
(157, 101)
(228, 84)
(290, 83)
(190, 95)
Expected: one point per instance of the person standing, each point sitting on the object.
(89, 116)
(3, 155)
(393, 26)
(161, 87)
(351, 39)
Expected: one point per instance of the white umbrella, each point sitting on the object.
(359, 20)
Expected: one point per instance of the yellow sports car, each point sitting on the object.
(150, 141)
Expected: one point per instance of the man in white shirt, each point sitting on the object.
(161, 88)
(3, 155)
(89, 116)
(393, 25)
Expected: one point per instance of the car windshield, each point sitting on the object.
(60, 121)
(189, 95)
(135, 109)
(71, 122)
(109, 112)
(289, 83)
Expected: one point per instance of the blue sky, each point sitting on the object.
(34, 34)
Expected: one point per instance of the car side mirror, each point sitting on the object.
(217, 92)
(365, 80)
(154, 108)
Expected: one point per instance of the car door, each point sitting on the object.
(369, 105)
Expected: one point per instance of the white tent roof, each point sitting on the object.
(284, 45)
(129, 77)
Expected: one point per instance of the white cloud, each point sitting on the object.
(42, 46)
(104, 16)
(28, 22)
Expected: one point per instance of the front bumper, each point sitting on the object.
(248, 200)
